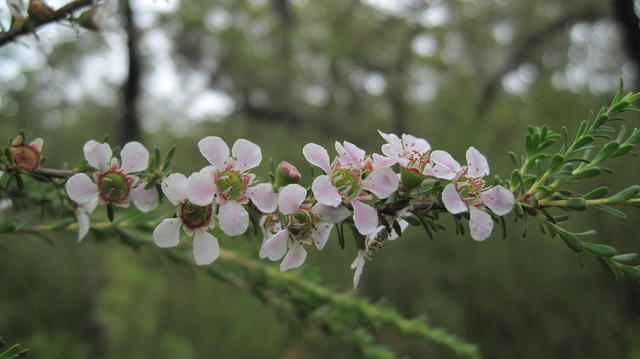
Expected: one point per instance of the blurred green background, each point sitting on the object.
(286, 72)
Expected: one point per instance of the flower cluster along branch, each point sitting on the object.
(373, 196)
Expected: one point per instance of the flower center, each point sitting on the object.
(25, 157)
(301, 224)
(231, 185)
(113, 186)
(194, 216)
(347, 182)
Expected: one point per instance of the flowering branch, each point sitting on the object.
(375, 196)
(40, 15)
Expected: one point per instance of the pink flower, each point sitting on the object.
(191, 218)
(227, 180)
(113, 181)
(305, 224)
(467, 193)
(408, 151)
(351, 175)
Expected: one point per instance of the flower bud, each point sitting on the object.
(39, 11)
(26, 157)
(286, 173)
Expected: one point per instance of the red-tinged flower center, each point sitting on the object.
(347, 181)
(25, 157)
(301, 223)
(232, 185)
(470, 189)
(114, 186)
(194, 216)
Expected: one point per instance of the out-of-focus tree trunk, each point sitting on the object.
(130, 126)
(630, 26)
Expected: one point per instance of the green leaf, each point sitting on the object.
(596, 193)
(586, 173)
(570, 240)
(598, 249)
(612, 211)
(556, 161)
(625, 194)
(167, 160)
(514, 159)
(606, 152)
(577, 203)
(625, 257)
(110, 214)
(340, 231)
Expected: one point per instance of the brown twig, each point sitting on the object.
(53, 173)
(31, 25)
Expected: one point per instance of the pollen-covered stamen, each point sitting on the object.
(347, 182)
(301, 224)
(114, 186)
(194, 216)
(25, 157)
(231, 185)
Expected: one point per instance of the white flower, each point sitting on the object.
(228, 181)
(467, 193)
(192, 218)
(305, 224)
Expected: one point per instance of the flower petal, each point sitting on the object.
(200, 188)
(174, 188)
(443, 166)
(248, 155)
(167, 233)
(37, 144)
(135, 157)
(393, 147)
(97, 154)
(331, 214)
(321, 233)
(365, 217)
(480, 224)
(499, 199)
(452, 200)
(275, 247)
(294, 258)
(264, 197)
(477, 165)
(380, 162)
(234, 219)
(381, 182)
(415, 144)
(358, 265)
(325, 192)
(83, 224)
(81, 188)
(205, 248)
(317, 156)
(215, 150)
(291, 197)
(145, 199)
(354, 152)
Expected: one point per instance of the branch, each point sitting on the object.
(307, 298)
(31, 25)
